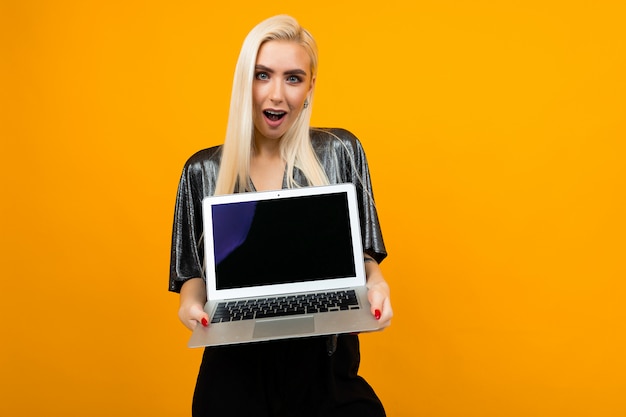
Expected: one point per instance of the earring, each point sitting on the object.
(306, 103)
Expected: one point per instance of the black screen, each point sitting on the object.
(281, 241)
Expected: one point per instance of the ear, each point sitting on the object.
(312, 85)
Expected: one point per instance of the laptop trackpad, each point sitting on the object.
(284, 327)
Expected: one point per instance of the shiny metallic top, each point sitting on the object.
(343, 160)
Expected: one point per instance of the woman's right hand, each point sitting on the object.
(192, 299)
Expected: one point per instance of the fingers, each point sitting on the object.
(380, 305)
(192, 315)
(199, 316)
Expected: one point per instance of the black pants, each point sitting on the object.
(287, 378)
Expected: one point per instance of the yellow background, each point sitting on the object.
(495, 133)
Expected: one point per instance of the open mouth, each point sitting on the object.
(274, 115)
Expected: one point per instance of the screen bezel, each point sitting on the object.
(213, 293)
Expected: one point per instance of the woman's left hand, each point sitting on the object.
(378, 293)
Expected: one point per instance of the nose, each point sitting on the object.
(276, 93)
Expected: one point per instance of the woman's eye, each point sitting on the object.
(293, 79)
(262, 76)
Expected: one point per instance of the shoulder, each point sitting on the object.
(204, 159)
(212, 154)
(331, 134)
(199, 174)
(338, 139)
(201, 170)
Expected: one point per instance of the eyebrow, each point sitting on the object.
(289, 72)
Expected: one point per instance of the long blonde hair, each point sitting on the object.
(295, 145)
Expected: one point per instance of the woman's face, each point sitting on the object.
(282, 81)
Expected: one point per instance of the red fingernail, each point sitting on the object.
(377, 314)
(205, 322)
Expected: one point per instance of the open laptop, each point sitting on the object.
(283, 264)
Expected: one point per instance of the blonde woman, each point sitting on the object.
(270, 145)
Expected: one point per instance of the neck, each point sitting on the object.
(267, 170)
(266, 148)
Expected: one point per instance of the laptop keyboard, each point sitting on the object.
(285, 306)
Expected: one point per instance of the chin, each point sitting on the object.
(273, 134)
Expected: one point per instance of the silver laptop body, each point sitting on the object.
(283, 264)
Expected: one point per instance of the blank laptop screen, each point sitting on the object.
(281, 241)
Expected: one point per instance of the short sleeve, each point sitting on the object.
(187, 251)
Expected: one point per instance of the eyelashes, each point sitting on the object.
(291, 79)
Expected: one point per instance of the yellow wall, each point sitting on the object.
(495, 132)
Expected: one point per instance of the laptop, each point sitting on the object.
(283, 264)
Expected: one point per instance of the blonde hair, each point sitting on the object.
(295, 145)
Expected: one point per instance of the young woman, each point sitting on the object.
(270, 145)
